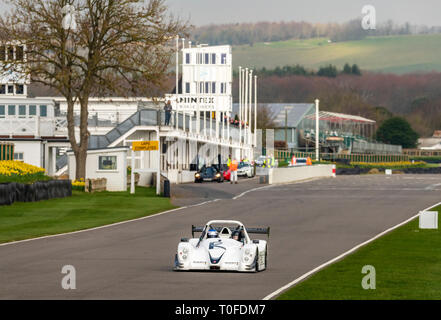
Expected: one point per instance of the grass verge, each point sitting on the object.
(81, 211)
(407, 263)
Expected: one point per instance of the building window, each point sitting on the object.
(199, 58)
(10, 53)
(2, 53)
(2, 111)
(43, 111)
(223, 87)
(32, 110)
(107, 163)
(224, 58)
(19, 89)
(10, 89)
(213, 87)
(187, 58)
(3, 89)
(11, 110)
(19, 53)
(207, 90)
(22, 111)
(187, 87)
(19, 156)
(207, 58)
(213, 58)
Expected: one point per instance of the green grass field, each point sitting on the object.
(407, 263)
(395, 54)
(81, 211)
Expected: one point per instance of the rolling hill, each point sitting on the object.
(393, 54)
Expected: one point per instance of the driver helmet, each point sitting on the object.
(212, 233)
(236, 235)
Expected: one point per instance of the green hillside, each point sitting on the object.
(395, 54)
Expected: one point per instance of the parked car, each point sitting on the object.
(227, 175)
(245, 169)
(210, 174)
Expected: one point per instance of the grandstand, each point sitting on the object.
(339, 133)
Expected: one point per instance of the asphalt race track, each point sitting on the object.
(311, 223)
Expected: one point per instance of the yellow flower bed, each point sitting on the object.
(79, 183)
(398, 164)
(9, 168)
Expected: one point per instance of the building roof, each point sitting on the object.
(338, 117)
(294, 112)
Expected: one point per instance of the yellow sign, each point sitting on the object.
(145, 145)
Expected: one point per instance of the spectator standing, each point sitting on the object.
(168, 110)
(233, 169)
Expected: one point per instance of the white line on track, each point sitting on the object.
(105, 226)
(322, 266)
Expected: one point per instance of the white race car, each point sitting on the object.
(223, 245)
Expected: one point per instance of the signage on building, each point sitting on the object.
(191, 103)
(145, 146)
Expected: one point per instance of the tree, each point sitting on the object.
(117, 46)
(328, 71)
(347, 69)
(356, 70)
(398, 131)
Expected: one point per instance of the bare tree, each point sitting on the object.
(265, 117)
(112, 46)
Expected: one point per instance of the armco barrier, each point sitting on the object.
(293, 174)
(42, 190)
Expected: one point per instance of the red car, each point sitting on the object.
(227, 175)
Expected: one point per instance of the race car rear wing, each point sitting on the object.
(264, 230)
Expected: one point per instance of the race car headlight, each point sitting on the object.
(185, 250)
(184, 257)
(197, 175)
(247, 251)
(246, 259)
(218, 175)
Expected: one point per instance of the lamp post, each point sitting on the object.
(317, 130)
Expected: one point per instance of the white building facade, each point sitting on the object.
(199, 132)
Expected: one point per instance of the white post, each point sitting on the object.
(223, 125)
(240, 99)
(205, 123)
(317, 130)
(228, 128)
(217, 124)
(158, 173)
(255, 111)
(132, 174)
(246, 103)
(250, 107)
(198, 120)
(177, 69)
(211, 123)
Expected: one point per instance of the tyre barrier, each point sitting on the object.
(42, 190)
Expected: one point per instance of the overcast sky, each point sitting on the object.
(203, 12)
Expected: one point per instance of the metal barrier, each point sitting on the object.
(6, 151)
(287, 155)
